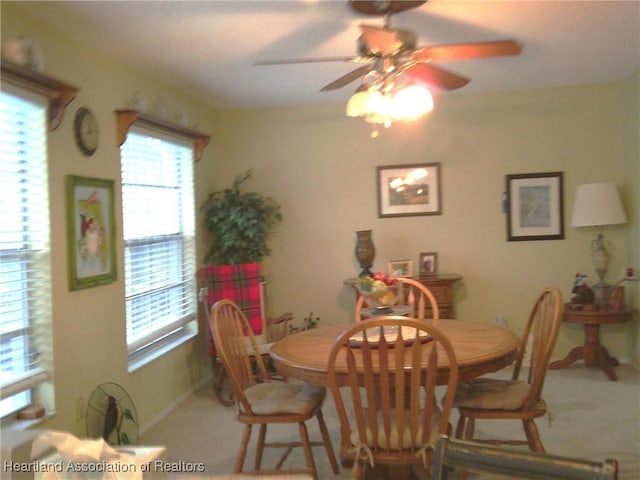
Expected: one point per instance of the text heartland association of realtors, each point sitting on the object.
(111, 466)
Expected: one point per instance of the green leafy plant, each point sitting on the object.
(239, 224)
(308, 322)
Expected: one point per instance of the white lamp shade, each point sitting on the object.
(597, 204)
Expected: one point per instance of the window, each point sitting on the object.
(159, 237)
(25, 270)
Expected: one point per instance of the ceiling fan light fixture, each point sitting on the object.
(411, 102)
(357, 104)
(395, 102)
(379, 104)
(395, 71)
(373, 78)
(367, 103)
(378, 119)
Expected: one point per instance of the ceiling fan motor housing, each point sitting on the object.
(403, 43)
(384, 7)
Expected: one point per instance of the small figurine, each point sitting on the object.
(583, 294)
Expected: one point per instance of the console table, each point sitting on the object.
(441, 286)
(592, 352)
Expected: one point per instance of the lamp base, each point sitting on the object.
(600, 256)
(601, 293)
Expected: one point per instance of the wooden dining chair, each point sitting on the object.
(261, 401)
(419, 299)
(386, 397)
(240, 283)
(516, 399)
(457, 458)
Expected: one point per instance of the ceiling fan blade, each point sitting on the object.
(384, 7)
(426, 72)
(465, 51)
(310, 60)
(348, 78)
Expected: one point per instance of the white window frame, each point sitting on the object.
(165, 327)
(30, 384)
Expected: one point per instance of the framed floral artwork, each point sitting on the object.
(90, 232)
(535, 206)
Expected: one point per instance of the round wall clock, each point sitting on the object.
(85, 129)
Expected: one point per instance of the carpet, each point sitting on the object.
(592, 418)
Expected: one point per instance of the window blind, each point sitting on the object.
(25, 270)
(159, 237)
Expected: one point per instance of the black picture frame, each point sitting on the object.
(420, 195)
(535, 206)
(428, 264)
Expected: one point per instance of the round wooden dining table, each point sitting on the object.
(480, 348)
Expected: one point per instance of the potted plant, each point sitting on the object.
(239, 224)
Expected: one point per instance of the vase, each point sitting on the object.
(365, 251)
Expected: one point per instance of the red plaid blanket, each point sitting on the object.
(239, 283)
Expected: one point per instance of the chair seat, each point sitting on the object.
(273, 398)
(263, 347)
(394, 438)
(492, 394)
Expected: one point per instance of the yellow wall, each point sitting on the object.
(631, 192)
(89, 325)
(320, 166)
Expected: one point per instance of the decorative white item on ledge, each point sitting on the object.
(161, 108)
(137, 102)
(25, 52)
(182, 117)
(597, 205)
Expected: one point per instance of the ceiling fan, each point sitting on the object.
(387, 52)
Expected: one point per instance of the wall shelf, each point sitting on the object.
(59, 94)
(126, 118)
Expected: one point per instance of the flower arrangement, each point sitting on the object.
(308, 322)
(378, 290)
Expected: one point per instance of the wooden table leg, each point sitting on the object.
(576, 353)
(593, 353)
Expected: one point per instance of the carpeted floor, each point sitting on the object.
(593, 418)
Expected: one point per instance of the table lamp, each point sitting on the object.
(597, 205)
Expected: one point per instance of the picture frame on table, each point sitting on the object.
(90, 232)
(535, 206)
(408, 190)
(428, 263)
(400, 268)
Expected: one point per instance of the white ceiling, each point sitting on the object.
(209, 47)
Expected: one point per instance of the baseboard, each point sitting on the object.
(167, 411)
